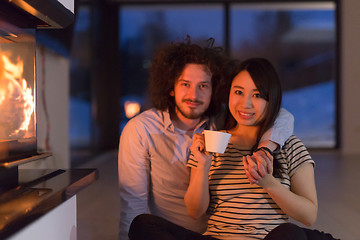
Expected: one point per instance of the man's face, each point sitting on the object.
(192, 92)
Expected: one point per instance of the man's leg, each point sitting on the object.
(291, 231)
(149, 227)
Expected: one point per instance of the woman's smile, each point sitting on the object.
(246, 115)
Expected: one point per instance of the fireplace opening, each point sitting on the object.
(17, 93)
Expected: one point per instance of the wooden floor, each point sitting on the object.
(337, 180)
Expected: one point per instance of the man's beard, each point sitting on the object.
(192, 114)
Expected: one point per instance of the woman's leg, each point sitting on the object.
(149, 227)
(286, 231)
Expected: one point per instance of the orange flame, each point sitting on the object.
(15, 94)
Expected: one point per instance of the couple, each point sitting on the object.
(154, 171)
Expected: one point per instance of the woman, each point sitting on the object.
(250, 193)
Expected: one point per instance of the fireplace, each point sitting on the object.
(17, 93)
(19, 20)
(29, 195)
(18, 143)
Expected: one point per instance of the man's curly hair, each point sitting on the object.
(170, 61)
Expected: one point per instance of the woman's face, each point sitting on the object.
(245, 103)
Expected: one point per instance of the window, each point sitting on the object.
(300, 40)
(80, 91)
(144, 27)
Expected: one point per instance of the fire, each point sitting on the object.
(16, 98)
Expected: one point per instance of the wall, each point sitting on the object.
(53, 107)
(53, 76)
(350, 78)
(58, 224)
(69, 4)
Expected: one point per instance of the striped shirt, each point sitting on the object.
(238, 209)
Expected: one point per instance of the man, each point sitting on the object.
(154, 145)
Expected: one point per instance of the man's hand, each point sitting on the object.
(251, 169)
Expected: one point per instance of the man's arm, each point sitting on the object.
(273, 138)
(277, 135)
(133, 170)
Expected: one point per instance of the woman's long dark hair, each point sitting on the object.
(268, 83)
